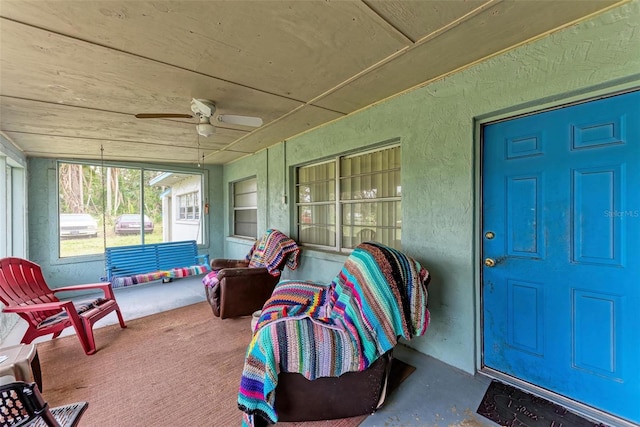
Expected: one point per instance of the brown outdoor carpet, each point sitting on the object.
(180, 367)
(509, 406)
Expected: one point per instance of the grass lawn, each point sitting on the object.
(95, 245)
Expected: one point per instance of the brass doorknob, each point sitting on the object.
(489, 262)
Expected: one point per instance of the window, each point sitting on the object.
(105, 206)
(6, 227)
(351, 199)
(245, 208)
(12, 211)
(189, 206)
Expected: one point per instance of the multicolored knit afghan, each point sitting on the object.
(174, 273)
(267, 252)
(122, 281)
(326, 330)
(271, 249)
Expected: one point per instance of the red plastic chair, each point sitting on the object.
(24, 291)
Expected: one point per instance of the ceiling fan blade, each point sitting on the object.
(240, 120)
(163, 116)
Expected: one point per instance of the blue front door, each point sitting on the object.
(561, 251)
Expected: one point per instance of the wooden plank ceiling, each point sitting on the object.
(74, 73)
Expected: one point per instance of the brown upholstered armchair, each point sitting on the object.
(240, 287)
(240, 290)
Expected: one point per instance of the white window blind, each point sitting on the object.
(245, 208)
(362, 204)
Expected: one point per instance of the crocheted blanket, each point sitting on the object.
(174, 273)
(267, 252)
(326, 330)
(193, 270)
(122, 281)
(271, 249)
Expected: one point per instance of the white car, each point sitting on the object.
(78, 225)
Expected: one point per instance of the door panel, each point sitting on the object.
(561, 193)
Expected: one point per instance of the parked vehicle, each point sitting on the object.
(130, 224)
(78, 225)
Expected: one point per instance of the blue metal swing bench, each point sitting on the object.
(134, 264)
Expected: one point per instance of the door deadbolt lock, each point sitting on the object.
(489, 235)
(489, 262)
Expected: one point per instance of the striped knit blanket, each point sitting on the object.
(174, 273)
(122, 281)
(326, 330)
(193, 270)
(268, 252)
(271, 250)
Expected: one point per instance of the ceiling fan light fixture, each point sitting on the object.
(203, 107)
(205, 129)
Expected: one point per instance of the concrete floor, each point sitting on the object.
(434, 395)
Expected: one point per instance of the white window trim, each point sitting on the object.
(234, 209)
(338, 202)
(196, 206)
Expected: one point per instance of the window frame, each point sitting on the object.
(143, 169)
(339, 202)
(234, 208)
(193, 196)
(13, 219)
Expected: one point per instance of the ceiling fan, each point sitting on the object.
(204, 111)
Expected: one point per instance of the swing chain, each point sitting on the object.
(104, 202)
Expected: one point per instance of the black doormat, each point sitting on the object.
(509, 406)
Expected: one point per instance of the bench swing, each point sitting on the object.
(136, 264)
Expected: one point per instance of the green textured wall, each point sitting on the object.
(437, 126)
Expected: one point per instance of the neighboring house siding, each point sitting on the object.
(185, 229)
